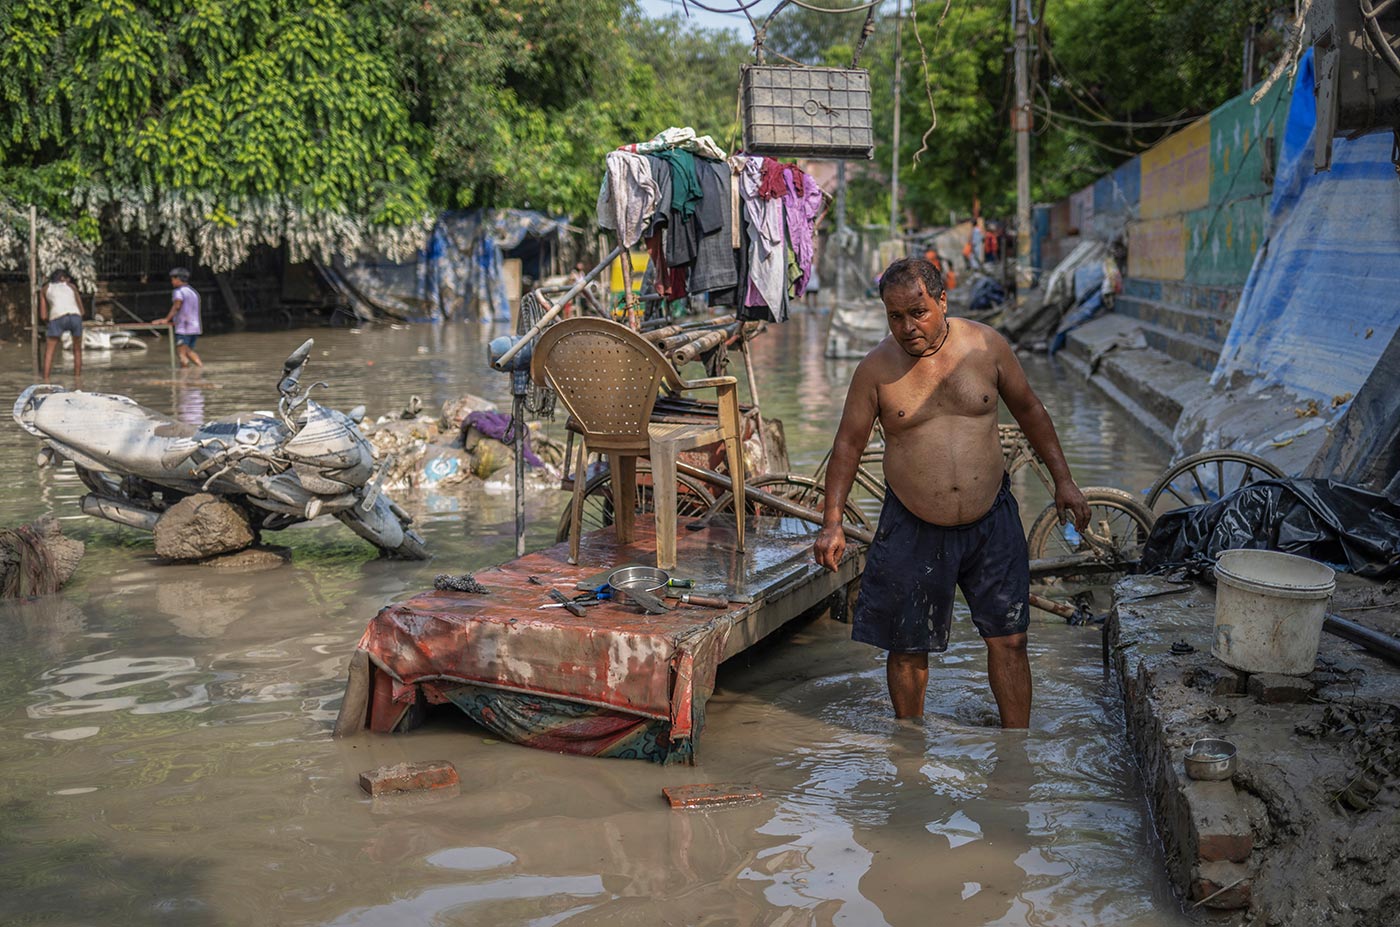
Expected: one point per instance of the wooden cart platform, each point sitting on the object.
(614, 682)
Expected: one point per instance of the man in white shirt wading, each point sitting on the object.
(62, 307)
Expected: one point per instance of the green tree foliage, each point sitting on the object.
(1093, 62)
(816, 38)
(1146, 66)
(696, 73)
(214, 125)
(520, 98)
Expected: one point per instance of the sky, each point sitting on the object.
(733, 21)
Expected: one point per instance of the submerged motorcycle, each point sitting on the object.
(289, 467)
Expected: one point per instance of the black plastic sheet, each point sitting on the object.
(1348, 528)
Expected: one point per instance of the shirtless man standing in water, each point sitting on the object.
(949, 517)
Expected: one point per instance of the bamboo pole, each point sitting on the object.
(34, 288)
(753, 393)
(632, 321)
(690, 351)
(554, 310)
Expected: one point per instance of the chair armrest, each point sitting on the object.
(707, 382)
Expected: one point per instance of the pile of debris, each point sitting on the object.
(466, 447)
(1081, 287)
(36, 559)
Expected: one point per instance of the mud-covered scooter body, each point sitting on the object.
(290, 466)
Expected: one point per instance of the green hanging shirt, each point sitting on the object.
(685, 182)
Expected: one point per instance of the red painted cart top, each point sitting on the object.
(614, 656)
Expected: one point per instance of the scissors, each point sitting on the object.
(582, 600)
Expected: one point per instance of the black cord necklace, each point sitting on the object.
(947, 328)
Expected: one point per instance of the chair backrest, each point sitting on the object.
(606, 375)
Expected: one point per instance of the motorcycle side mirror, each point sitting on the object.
(299, 356)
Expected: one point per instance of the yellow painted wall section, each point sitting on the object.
(1157, 249)
(1176, 173)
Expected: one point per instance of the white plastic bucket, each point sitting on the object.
(1269, 609)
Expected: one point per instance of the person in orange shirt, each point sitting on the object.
(950, 279)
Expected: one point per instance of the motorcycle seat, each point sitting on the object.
(167, 429)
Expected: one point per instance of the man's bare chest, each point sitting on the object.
(928, 392)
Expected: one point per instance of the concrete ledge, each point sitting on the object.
(1275, 844)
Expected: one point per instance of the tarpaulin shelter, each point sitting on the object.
(459, 271)
(1317, 318)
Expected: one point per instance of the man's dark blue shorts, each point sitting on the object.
(913, 567)
(187, 340)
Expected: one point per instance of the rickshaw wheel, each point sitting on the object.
(1230, 470)
(692, 499)
(1118, 528)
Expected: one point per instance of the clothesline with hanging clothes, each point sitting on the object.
(739, 228)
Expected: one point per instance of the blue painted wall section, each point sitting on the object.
(1323, 300)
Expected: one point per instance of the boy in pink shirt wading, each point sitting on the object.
(184, 310)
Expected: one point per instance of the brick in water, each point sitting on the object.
(694, 796)
(1219, 823)
(409, 777)
(1273, 689)
(1209, 879)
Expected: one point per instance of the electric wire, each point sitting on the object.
(923, 57)
(1148, 124)
(1082, 134)
(826, 9)
(741, 8)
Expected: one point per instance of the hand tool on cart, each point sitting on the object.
(564, 601)
(584, 599)
(640, 585)
(695, 598)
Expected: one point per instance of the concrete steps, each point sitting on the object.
(1188, 323)
(1187, 335)
(1151, 384)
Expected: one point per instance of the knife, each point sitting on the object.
(649, 603)
(573, 607)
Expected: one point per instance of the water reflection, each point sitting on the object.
(167, 727)
(87, 687)
(189, 396)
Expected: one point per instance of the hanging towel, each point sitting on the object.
(766, 259)
(628, 198)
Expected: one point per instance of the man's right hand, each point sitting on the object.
(830, 547)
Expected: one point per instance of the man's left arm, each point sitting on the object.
(1030, 414)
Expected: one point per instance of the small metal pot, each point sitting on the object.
(1211, 759)
(643, 579)
(650, 579)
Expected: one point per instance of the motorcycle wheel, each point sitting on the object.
(103, 484)
(412, 548)
(375, 526)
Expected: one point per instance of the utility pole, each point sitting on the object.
(898, 88)
(839, 240)
(1021, 125)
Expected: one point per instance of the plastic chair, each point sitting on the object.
(608, 377)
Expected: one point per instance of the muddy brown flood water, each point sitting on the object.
(165, 730)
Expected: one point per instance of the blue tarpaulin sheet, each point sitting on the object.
(461, 264)
(1320, 304)
(457, 274)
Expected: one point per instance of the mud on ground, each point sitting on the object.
(1318, 780)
